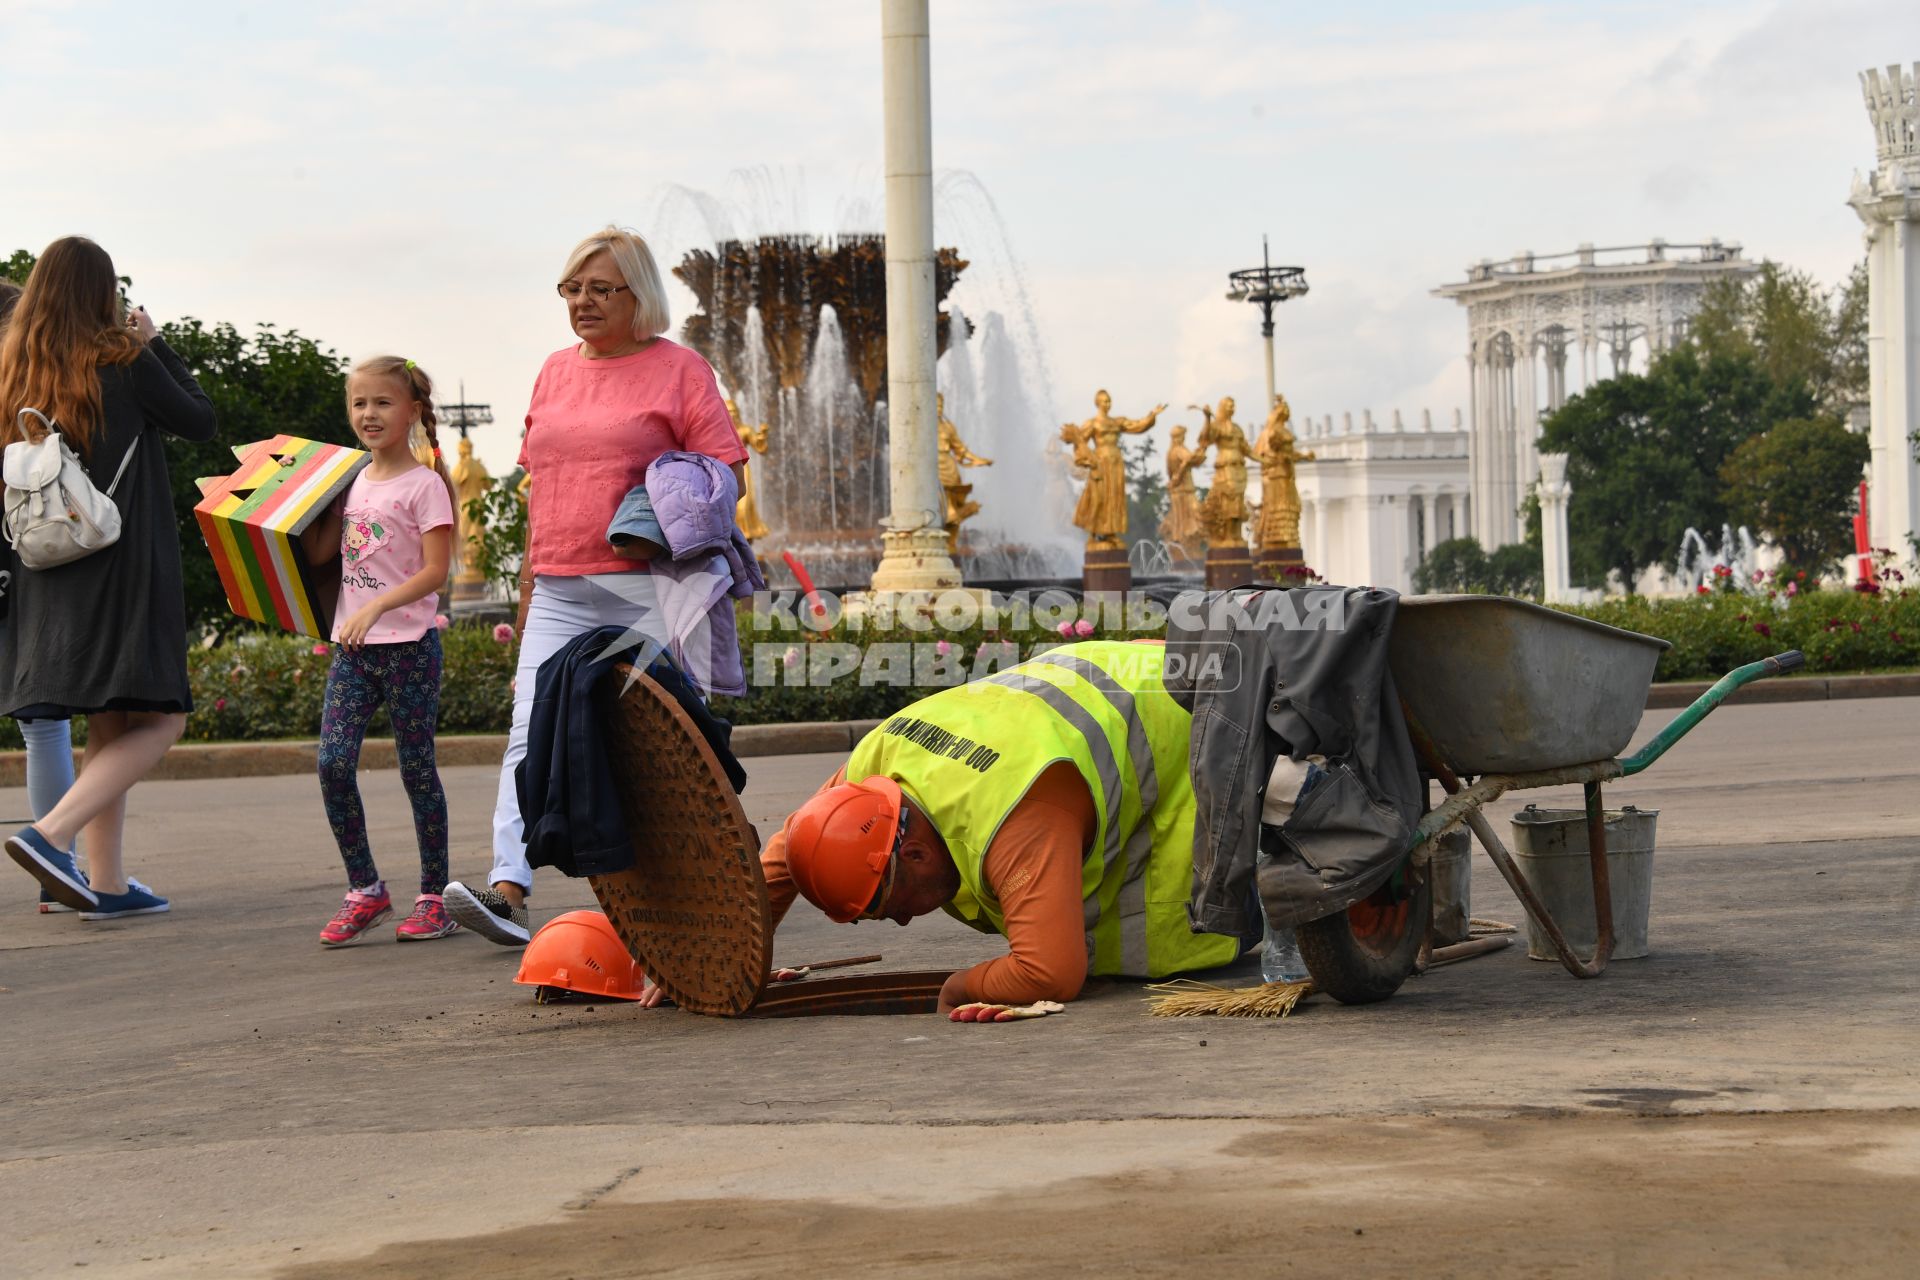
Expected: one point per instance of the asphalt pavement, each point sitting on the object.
(212, 1093)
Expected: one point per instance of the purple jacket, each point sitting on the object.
(693, 497)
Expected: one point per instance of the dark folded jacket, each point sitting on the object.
(565, 782)
(1301, 672)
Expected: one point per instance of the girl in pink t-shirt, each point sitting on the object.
(393, 532)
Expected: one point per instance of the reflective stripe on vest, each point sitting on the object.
(968, 755)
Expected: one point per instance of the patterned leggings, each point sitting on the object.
(407, 678)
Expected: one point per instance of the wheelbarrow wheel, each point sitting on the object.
(1364, 953)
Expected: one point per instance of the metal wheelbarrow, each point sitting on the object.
(1512, 695)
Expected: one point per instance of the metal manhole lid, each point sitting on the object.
(693, 907)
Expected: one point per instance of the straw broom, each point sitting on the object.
(1186, 998)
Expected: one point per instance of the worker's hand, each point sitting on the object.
(981, 1012)
(650, 994)
(788, 975)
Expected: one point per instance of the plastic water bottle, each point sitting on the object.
(1280, 957)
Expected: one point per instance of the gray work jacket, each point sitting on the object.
(1301, 671)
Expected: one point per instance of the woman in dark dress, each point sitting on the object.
(104, 636)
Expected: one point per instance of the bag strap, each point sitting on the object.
(51, 429)
(124, 460)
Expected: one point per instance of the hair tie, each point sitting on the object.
(411, 366)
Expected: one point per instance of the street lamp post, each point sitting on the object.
(463, 417)
(1267, 286)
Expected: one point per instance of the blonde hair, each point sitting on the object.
(636, 266)
(420, 389)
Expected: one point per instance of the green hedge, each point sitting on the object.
(1839, 631)
(264, 685)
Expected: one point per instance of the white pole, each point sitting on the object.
(1556, 578)
(913, 543)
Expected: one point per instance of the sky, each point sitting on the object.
(407, 176)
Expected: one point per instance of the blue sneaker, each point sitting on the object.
(49, 904)
(138, 900)
(53, 868)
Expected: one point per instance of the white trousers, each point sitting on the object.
(562, 608)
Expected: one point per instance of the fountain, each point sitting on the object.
(1737, 553)
(795, 326)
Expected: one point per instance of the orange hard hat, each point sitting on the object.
(580, 952)
(839, 844)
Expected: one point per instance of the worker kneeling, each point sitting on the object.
(1049, 803)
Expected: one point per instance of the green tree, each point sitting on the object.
(1796, 484)
(1645, 453)
(502, 516)
(1461, 566)
(1801, 334)
(1454, 566)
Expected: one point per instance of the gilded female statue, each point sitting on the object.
(746, 512)
(954, 455)
(470, 481)
(1224, 513)
(1102, 510)
(1182, 525)
(1279, 493)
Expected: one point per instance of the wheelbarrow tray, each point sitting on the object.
(1506, 686)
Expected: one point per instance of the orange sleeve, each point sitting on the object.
(1033, 868)
(773, 861)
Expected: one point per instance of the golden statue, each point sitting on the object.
(1102, 510)
(746, 512)
(470, 481)
(954, 455)
(1279, 524)
(1224, 513)
(1182, 525)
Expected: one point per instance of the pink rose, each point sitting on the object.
(219, 704)
(319, 648)
(791, 656)
(943, 648)
(503, 632)
(1793, 588)
(1066, 630)
(1083, 628)
(442, 621)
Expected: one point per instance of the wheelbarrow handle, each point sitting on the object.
(1723, 688)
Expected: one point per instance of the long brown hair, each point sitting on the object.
(65, 326)
(420, 388)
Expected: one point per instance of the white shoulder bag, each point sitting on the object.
(54, 515)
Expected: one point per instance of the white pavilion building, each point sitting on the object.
(1378, 496)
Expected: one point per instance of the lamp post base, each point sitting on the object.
(915, 560)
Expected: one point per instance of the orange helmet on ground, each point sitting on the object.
(580, 952)
(839, 844)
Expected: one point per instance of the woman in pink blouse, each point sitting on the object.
(602, 410)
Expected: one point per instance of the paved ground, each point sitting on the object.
(212, 1094)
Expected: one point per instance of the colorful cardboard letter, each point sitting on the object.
(252, 521)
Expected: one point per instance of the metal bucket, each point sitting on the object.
(1505, 686)
(1452, 872)
(1550, 848)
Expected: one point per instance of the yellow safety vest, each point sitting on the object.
(967, 755)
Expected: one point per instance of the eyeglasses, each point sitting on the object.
(893, 862)
(572, 290)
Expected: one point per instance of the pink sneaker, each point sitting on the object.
(359, 913)
(429, 920)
